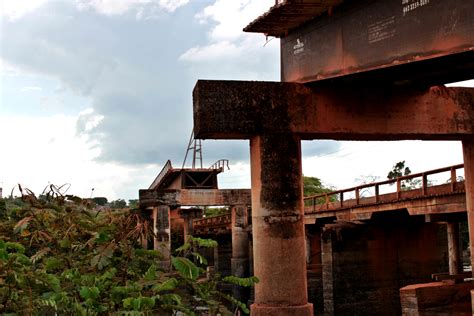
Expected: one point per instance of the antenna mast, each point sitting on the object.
(195, 146)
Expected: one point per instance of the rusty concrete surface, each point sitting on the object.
(247, 108)
(278, 226)
(194, 197)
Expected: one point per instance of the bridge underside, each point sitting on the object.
(367, 67)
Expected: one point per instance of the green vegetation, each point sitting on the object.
(400, 170)
(216, 211)
(58, 256)
(314, 186)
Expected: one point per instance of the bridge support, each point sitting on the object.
(188, 217)
(468, 151)
(278, 226)
(161, 227)
(275, 116)
(240, 249)
(454, 252)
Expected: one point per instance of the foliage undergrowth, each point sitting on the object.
(58, 256)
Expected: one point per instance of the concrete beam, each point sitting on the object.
(198, 197)
(241, 109)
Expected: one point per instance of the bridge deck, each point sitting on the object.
(424, 200)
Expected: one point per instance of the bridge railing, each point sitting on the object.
(167, 167)
(336, 199)
(220, 220)
(220, 164)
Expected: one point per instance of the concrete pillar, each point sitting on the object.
(468, 151)
(240, 250)
(278, 226)
(189, 216)
(454, 253)
(327, 272)
(161, 227)
(468, 154)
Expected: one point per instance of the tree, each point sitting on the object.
(102, 201)
(133, 203)
(400, 170)
(314, 186)
(120, 203)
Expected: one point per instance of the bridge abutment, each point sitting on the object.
(365, 264)
(278, 226)
(240, 250)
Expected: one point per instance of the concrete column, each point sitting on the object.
(454, 253)
(189, 216)
(468, 151)
(161, 227)
(187, 227)
(327, 272)
(240, 250)
(278, 226)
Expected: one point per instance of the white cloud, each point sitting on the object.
(15, 9)
(172, 5)
(213, 51)
(46, 150)
(358, 158)
(232, 17)
(119, 7)
(29, 89)
(226, 38)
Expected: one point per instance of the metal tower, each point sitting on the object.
(195, 146)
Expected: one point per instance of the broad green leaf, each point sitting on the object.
(150, 274)
(200, 258)
(250, 281)
(185, 267)
(236, 302)
(167, 285)
(205, 243)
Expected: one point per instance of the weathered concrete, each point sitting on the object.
(248, 108)
(468, 153)
(240, 249)
(372, 41)
(188, 216)
(454, 251)
(194, 197)
(223, 255)
(440, 203)
(278, 226)
(314, 268)
(364, 265)
(161, 228)
(436, 298)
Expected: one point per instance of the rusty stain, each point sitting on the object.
(282, 218)
(342, 45)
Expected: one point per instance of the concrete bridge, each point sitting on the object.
(433, 201)
(383, 229)
(350, 70)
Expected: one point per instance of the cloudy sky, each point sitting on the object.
(97, 93)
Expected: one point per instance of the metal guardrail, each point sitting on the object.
(220, 164)
(335, 200)
(215, 221)
(161, 175)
